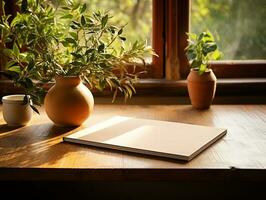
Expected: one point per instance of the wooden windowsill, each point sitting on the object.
(239, 86)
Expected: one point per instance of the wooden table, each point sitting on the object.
(37, 154)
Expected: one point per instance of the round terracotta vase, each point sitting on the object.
(201, 88)
(69, 102)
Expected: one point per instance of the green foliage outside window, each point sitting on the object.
(135, 14)
(239, 23)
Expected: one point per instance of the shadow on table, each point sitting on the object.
(32, 145)
(4, 128)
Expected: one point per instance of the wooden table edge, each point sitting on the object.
(140, 174)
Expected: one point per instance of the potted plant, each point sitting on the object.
(201, 80)
(46, 42)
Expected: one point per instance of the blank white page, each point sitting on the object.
(152, 137)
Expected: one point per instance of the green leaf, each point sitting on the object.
(83, 20)
(10, 63)
(28, 83)
(65, 8)
(92, 57)
(104, 20)
(123, 38)
(107, 56)
(76, 23)
(8, 52)
(206, 35)
(216, 55)
(120, 31)
(101, 48)
(89, 51)
(77, 55)
(65, 44)
(191, 54)
(77, 63)
(132, 88)
(34, 109)
(23, 57)
(128, 90)
(16, 49)
(103, 65)
(209, 47)
(112, 29)
(114, 96)
(192, 36)
(73, 71)
(74, 26)
(68, 16)
(30, 65)
(70, 40)
(115, 81)
(135, 45)
(196, 63)
(74, 35)
(202, 69)
(87, 81)
(26, 100)
(15, 69)
(109, 83)
(209, 36)
(83, 8)
(201, 36)
(101, 85)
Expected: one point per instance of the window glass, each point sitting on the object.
(135, 14)
(238, 25)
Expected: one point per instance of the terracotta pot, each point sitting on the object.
(69, 102)
(201, 88)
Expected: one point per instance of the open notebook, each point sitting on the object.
(152, 137)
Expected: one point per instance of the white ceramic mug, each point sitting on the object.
(14, 112)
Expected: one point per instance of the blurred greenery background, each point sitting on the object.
(239, 25)
(135, 14)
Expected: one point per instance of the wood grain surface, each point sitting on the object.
(39, 146)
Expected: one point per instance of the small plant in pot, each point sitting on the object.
(201, 80)
(74, 47)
